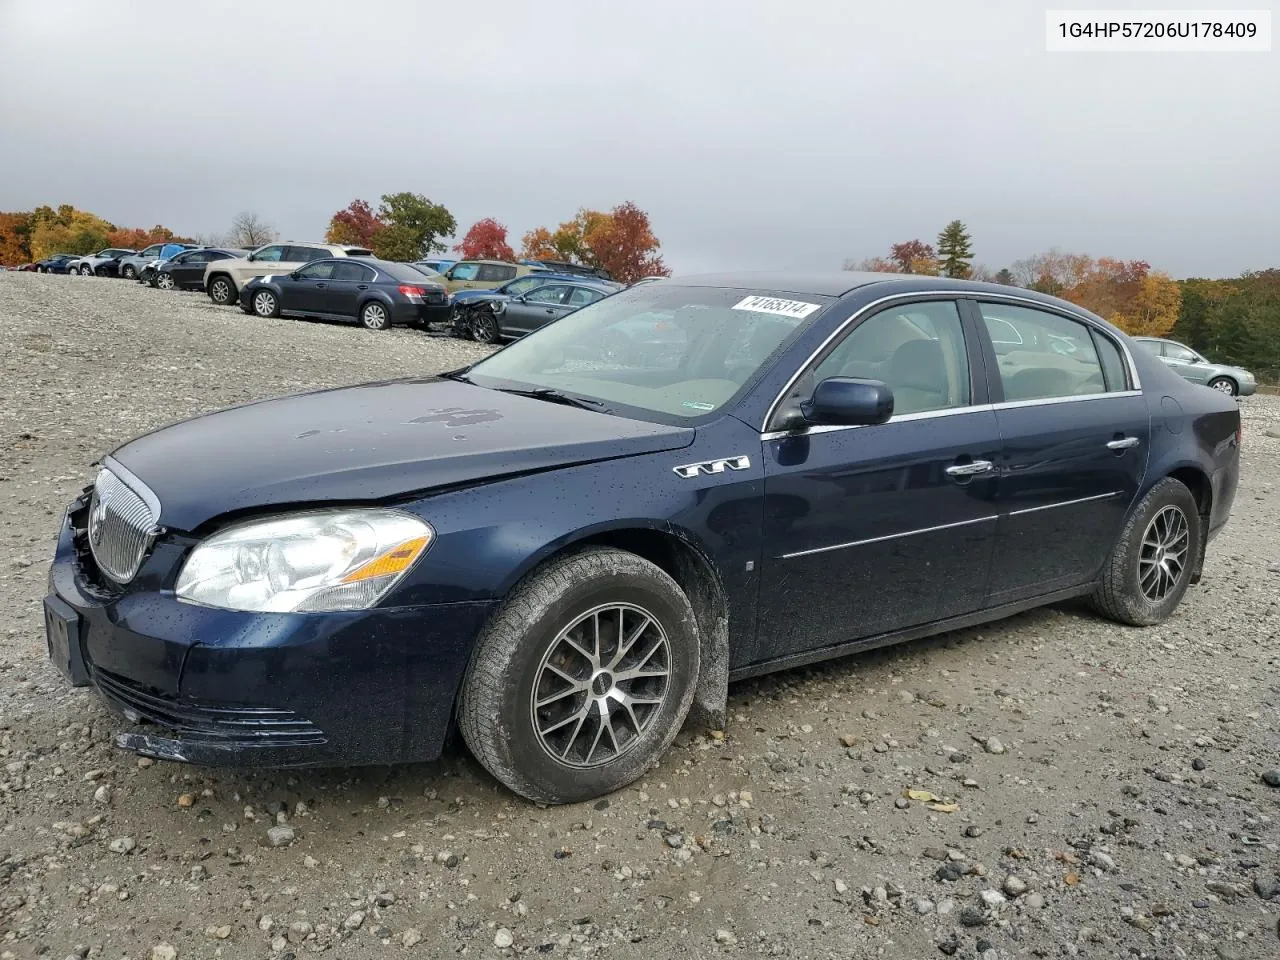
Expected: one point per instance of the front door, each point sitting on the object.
(306, 289)
(188, 268)
(1075, 434)
(536, 309)
(872, 529)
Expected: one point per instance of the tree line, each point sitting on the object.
(1233, 321)
(408, 226)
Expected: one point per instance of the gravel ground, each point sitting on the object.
(1101, 789)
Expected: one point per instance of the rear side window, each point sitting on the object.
(351, 271)
(1175, 351)
(495, 272)
(548, 294)
(317, 271)
(1056, 358)
(218, 255)
(581, 296)
(1113, 366)
(305, 254)
(1151, 346)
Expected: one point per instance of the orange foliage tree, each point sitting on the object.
(354, 224)
(15, 239)
(486, 240)
(1129, 293)
(44, 231)
(621, 241)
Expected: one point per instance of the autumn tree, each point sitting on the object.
(1051, 272)
(414, 227)
(67, 230)
(1153, 310)
(914, 256)
(955, 250)
(355, 224)
(620, 241)
(15, 238)
(248, 229)
(486, 240)
(537, 245)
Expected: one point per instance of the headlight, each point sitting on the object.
(306, 562)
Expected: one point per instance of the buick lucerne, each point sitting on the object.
(566, 548)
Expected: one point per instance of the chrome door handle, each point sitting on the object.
(1123, 444)
(970, 469)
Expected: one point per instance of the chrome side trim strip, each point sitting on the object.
(950, 412)
(942, 294)
(1065, 503)
(891, 536)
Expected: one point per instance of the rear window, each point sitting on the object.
(402, 271)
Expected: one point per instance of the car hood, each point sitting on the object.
(372, 442)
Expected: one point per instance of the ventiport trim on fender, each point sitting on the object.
(690, 470)
(891, 536)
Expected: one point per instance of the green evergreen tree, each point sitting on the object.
(955, 250)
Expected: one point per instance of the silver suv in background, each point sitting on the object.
(131, 267)
(1234, 381)
(224, 278)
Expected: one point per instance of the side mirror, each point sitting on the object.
(518, 299)
(848, 401)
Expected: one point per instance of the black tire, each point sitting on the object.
(485, 327)
(128, 272)
(265, 303)
(1225, 385)
(1120, 593)
(375, 315)
(221, 290)
(496, 711)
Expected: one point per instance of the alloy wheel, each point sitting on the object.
(600, 684)
(484, 328)
(1163, 556)
(220, 291)
(264, 303)
(165, 281)
(374, 316)
(129, 273)
(1224, 386)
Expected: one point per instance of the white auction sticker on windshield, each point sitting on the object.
(783, 308)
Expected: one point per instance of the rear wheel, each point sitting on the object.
(164, 281)
(128, 272)
(583, 677)
(1224, 385)
(221, 290)
(265, 304)
(374, 316)
(1150, 567)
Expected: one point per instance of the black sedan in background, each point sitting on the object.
(378, 293)
(58, 263)
(186, 270)
(495, 318)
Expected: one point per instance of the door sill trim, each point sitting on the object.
(958, 622)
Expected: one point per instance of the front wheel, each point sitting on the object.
(1224, 385)
(265, 304)
(374, 316)
(1150, 567)
(163, 281)
(484, 327)
(582, 679)
(221, 291)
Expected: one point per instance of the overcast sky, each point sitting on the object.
(756, 134)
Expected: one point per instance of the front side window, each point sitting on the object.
(1057, 357)
(1176, 351)
(464, 271)
(661, 352)
(272, 254)
(152, 250)
(317, 271)
(523, 285)
(917, 350)
(552, 293)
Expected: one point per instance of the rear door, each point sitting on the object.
(1075, 431)
(871, 529)
(342, 291)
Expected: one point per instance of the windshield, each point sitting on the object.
(661, 352)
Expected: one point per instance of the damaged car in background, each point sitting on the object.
(565, 548)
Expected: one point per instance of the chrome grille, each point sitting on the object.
(121, 527)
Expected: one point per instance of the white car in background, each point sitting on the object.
(86, 266)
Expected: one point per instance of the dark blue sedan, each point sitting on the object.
(567, 547)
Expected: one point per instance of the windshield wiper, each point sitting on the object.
(555, 396)
(460, 375)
